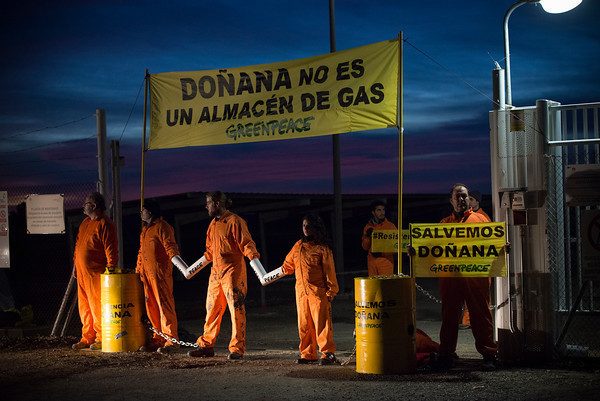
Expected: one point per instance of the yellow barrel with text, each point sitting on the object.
(385, 324)
(122, 309)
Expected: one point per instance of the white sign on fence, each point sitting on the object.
(45, 214)
(4, 248)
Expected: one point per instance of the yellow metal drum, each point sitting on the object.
(122, 309)
(385, 324)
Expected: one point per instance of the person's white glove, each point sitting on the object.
(259, 270)
(273, 276)
(191, 271)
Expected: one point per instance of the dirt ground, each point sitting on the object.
(44, 368)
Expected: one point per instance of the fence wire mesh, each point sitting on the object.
(41, 264)
(574, 234)
(555, 274)
(59, 158)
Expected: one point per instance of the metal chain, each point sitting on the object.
(169, 338)
(427, 294)
(492, 307)
(352, 354)
(434, 299)
(504, 303)
(194, 345)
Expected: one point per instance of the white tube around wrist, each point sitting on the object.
(273, 276)
(259, 270)
(180, 264)
(189, 271)
(196, 267)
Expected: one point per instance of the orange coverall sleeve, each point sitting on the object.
(289, 267)
(484, 214)
(330, 276)
(138, 265)
(209, 242)
(366, 239)
(244, 240)
(108, 234)
(167, 239)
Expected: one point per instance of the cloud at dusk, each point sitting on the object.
(63, 60)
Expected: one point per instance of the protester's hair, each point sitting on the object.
(318, 230)
(98, 200)
(376, 203)
(153, 207)
(221, 198)
(458, 184)
(476, 195)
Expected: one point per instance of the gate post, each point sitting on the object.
(520, 181)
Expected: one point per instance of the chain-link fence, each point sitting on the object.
(546, 180)
(59, 159)
(41, 264)
(574, 230)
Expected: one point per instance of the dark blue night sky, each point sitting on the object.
(62, 60)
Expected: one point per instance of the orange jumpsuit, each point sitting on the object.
(466, 319)
(475, 292)
(482, 212)
(424, 343)
(383, 264)
(95, 249)
(227, 242)
(424, 346)
(157, 247)
(316, 285)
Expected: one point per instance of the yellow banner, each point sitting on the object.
(387, 240)
(459, 250)
(346, 91)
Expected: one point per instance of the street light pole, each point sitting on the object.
(525, 263)
(508, 93)
(550, 6)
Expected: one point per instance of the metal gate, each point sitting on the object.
(546, 186)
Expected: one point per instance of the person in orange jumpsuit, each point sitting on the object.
(378, 264)
(311, 259)
(157, 248)
(474, 201)
(227, 242)
(96, 250)
(382, 264)
(474, 291)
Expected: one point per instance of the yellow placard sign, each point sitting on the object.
(345, 91)
(459, 250)
(387, 240)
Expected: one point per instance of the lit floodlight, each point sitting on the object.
(559, 6)
(550, 6)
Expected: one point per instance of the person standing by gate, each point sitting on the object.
(96, 250)
(472, 291)
(474, 203)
